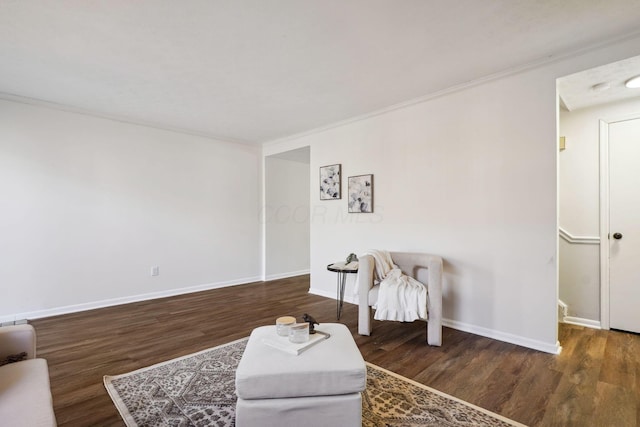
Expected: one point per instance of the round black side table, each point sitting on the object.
(342, 271)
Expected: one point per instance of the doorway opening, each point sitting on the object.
(287, 214)
(589, 102)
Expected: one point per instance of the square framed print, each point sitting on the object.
(361, 194)
(330, 184)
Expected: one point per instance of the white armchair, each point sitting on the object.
(25, 396)
(425, 268)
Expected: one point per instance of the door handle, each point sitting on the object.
(617, 236)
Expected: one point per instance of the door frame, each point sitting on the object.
(604, 215)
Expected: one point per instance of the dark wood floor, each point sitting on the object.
(594, 382)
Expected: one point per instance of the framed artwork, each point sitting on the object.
(361, 194)
(330, 182)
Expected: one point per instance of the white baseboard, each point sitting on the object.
(286, 275)
(351, 299)
(503, 336)
(465, 327)
(563, 309)
(9, 318)
(125, 300)
(588, 323)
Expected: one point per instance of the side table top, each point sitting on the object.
(343, 267)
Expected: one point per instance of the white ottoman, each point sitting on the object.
(319, 387)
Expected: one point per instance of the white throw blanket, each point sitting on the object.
(400, 298)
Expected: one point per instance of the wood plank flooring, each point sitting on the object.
(594, 382)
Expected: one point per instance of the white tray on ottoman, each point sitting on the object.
(321, 386)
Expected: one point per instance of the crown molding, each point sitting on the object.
(86, 112)
(546, 60)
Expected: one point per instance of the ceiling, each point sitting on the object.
(255, 70)
(600, 85)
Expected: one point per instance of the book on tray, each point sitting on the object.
(283, 343)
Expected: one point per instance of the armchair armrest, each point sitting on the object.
(17, 338)
(364, 280)
(434, 286)
(427, 269)
(364, 283)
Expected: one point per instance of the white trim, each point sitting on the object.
(271, 145)
(604, 224)
(10, 318)
(550, 59)
(503, 336)
(263, 217)
(465, 327)
(128, 299)
(286, 275)
(121, 119)
(556, 255)
(588, 323)
(564, 307)
(580, 240)
(351, 299)
(279, 148)
(322, 293)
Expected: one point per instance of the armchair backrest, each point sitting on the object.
(413, 264)
(16, 339)
(426, 269)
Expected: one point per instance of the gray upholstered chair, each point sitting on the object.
(425, 268)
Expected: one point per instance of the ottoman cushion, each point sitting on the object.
(331, 367)
(317, 411)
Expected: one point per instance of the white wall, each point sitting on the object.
(579, 196)
(580, 281)
(470, 175)
(286, 217)
(579, 165)
(88, 205)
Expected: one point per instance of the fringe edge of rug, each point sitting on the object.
(448, 396)
(130, 421)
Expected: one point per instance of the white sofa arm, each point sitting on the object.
(15, 339)
(364, 282)
(364, 279)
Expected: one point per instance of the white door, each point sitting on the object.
(624, 225)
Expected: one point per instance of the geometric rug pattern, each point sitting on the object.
(199, 390)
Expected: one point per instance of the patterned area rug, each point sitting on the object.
(199, 390)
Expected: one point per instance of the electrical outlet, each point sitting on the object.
(155, 270)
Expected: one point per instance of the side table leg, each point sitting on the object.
(340, 291)
(338, 296)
